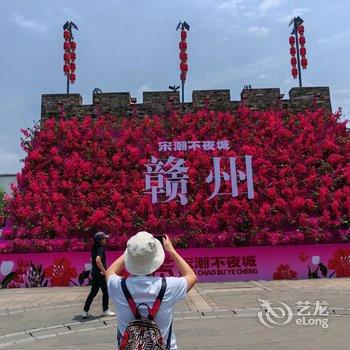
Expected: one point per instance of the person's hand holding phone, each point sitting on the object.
(168, 246)
(160, 238)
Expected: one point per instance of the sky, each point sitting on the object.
(132, 45)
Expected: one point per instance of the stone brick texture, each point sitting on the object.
(165, 102)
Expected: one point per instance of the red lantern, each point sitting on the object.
(183, 56)
(304, 62)
(292, 40)
(293, 61)
(303, 51)
(294, 73)
(73, 45)
(293, 51)
(66, 34)
(183, 45)
(183, 67)
(66, 57)
(301, 29)
(66, 46)
(69, 55)
(302, 40)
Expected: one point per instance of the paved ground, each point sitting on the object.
(213, 316)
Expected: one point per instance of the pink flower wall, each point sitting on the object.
(80, 176)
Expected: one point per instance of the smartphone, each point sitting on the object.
(160, 238)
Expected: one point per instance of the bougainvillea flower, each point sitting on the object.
(88, 174)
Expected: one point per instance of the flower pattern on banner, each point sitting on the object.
(216, 264)
(6, 267)
(303, 257)
(21, 271)
(340, 262)
(60, 272)
(284, 272)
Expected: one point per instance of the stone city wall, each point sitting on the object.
(164, 102)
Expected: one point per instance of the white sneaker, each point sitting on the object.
(84, 314)
(108, 312)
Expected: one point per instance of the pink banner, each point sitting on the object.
(211, 265)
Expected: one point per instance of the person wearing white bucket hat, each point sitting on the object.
(144, 254)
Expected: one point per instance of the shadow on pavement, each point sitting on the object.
(90, 318)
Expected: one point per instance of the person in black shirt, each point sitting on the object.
(98, 271)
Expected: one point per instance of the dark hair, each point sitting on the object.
(96, 245)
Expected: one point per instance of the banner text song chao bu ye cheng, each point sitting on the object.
(167, 178)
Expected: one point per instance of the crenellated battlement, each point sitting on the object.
(164, 102)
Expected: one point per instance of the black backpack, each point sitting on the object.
(143, 333)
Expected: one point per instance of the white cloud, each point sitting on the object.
(71, 15)
(264, 76)
(228, 5)
(267, 5)
(248, 72)
(247, 8)
(19, 20)
(286, 17)
(67, 11)
(260, 32)
(222, 13)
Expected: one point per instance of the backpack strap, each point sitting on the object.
(134, 308)
(130, 300)
(157, 303)
(119, 337)
(168, 342)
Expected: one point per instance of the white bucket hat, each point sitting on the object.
(144, 254)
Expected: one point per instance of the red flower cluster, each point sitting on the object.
(60, 272)
(340, 262)
(85, 175)
(284, 272)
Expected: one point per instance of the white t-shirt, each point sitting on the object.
(145, 289)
